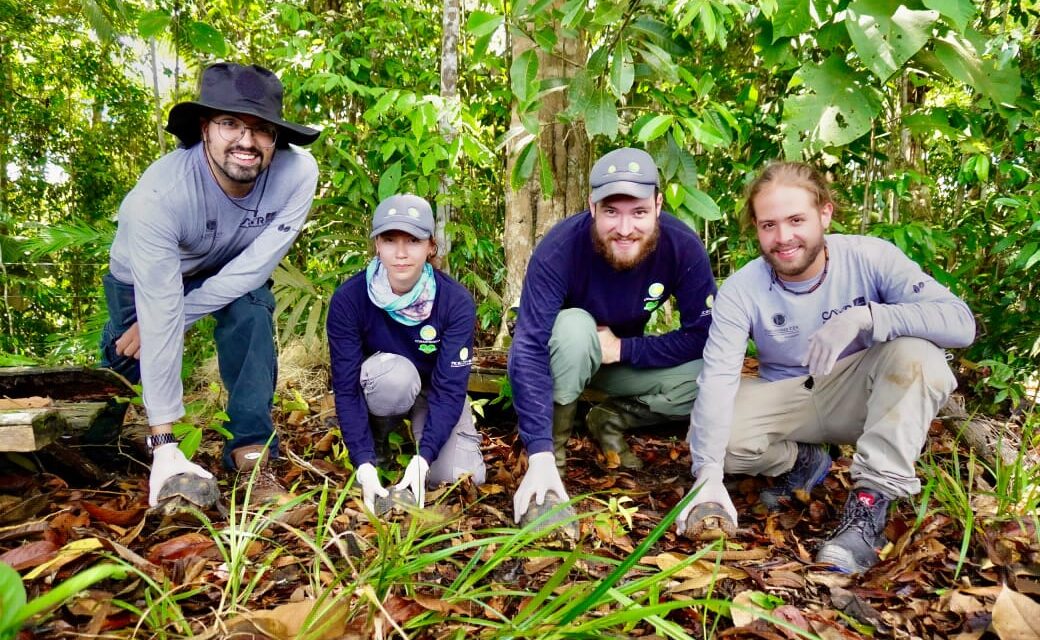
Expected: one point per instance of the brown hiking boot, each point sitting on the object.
(263, 486)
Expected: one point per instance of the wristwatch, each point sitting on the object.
(154, 441)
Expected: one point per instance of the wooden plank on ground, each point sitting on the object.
(30, 429)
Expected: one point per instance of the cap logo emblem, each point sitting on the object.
(611, 169)
(412, 211)
(633, 167)
(392, 212)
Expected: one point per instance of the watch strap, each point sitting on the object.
(160, 439)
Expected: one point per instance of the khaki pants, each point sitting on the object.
(882, 400)
(575, 360)
(391, 386)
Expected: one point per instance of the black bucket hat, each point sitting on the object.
(233, 88)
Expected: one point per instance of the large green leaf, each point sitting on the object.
(12, 599)
(390, 180)
(836, 108)
(701, 204)
(791, 19)
(960, 12)
(152, 23)
(622, 71)
(602, 116)
(886, 34)
(525, 161)
(655, 127)
(961, 59)
(207, 39)
(481, 23)
(523, 74)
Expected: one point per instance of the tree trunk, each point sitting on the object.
(449, 91)
(6, 90)
(158, 99)
(529, 215)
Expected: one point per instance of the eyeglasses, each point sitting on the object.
(233, 130)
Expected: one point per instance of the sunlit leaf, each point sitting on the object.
(207, 39)
(837, 107)
(886, 34)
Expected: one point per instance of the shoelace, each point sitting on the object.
(860, 517)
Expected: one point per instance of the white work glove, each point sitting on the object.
(167, 461)
(541, 478)
(368, 477)
(831, 339)
(414, 479)
(709, 488)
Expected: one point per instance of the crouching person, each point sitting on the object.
(850, 336)
(400, 338)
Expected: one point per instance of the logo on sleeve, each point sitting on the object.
(709, 302)
(464, 359)
(428, 339)
(653, 296)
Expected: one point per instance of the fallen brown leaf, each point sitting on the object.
(31, 554)
(1015, 616)
(183, 546)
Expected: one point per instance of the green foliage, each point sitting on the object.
(16, 610)
(923, 112)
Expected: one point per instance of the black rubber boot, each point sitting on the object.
(382, 427)
(609, 420)
(563, 424)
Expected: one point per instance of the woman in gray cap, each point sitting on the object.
(400, 338)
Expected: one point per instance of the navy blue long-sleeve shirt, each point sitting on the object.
(565, 272)
(440, 347)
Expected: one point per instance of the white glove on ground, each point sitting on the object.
(167, 461)
(831, 339)
(370, 485)
(709, 488)
(541, 478)
(414, 479)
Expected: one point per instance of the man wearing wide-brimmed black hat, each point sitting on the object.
(200, 234)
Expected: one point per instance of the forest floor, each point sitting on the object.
(935, 581)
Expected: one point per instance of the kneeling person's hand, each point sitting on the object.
(541, 478)
(168, 461)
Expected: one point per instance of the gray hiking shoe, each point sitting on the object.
(810, 468)
(860, 536)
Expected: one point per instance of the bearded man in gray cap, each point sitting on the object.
(200, 234)
(591, 287)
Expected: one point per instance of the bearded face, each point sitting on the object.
(790, 228)
(626, 229)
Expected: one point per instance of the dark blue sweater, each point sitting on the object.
(440, 348)
(566, 272)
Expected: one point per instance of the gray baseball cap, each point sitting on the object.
(627, 171)
(403, 212)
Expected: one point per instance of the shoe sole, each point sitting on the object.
(840, 560)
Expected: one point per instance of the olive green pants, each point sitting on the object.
(882, 399)
(576, 363)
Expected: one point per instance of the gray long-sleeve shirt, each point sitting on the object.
(177, 222)
(903, 300)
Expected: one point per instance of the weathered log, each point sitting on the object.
(990, 439)
(30, 429)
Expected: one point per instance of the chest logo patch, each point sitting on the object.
(653, 296)
(428, 332)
